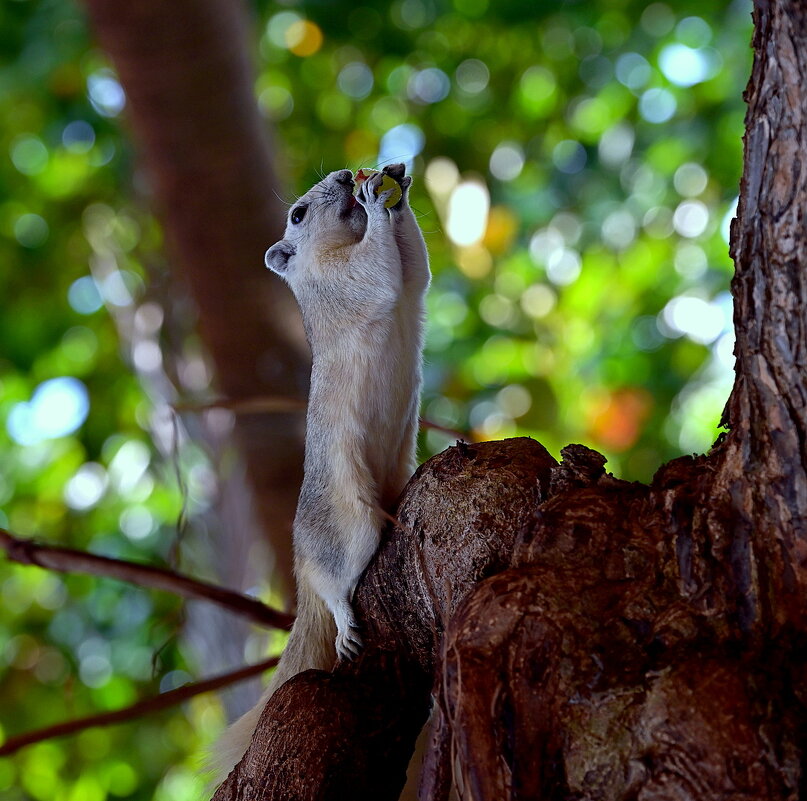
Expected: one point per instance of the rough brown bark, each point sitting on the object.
(188, 82)
(762, 468)
(587, 638)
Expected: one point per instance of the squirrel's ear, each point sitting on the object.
(278, 256)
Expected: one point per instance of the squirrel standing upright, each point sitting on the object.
(359, 272)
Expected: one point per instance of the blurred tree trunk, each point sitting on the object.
(586, 637)
(189, 85)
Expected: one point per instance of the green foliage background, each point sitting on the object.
(592, 306)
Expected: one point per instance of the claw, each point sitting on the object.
(349, 645)
(361, 195)
(368, 194)
(385, 196)
(375, 180)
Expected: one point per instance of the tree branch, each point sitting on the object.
(280, 405)
(428, 425)
(269, 404)
(68, 560)
(147, 706)
(546, 607)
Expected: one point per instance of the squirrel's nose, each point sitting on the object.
(344, 177)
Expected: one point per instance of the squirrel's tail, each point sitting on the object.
(310, 645)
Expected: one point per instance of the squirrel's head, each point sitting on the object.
(325, 220)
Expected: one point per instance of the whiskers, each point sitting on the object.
(286, 203)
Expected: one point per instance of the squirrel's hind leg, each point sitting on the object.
(337, 596)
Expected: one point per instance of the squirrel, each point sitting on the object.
(359, 272)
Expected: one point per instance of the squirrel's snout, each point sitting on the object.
(344, 177)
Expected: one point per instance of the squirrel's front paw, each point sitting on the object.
(396, 171)
(405, 183)
(378, 193)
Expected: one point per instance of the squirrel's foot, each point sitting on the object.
(348, 640)
(348, 644)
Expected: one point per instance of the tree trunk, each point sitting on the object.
(588, 638)
(189, 89)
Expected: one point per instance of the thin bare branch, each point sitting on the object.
(136, 710)
(68, 560)
(258, 405)
(280, 405)
(460, 435)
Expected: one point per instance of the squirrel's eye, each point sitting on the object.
(298, 214)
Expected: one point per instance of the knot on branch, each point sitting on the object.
(21, 551)
(580, 467)
(455, 459)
